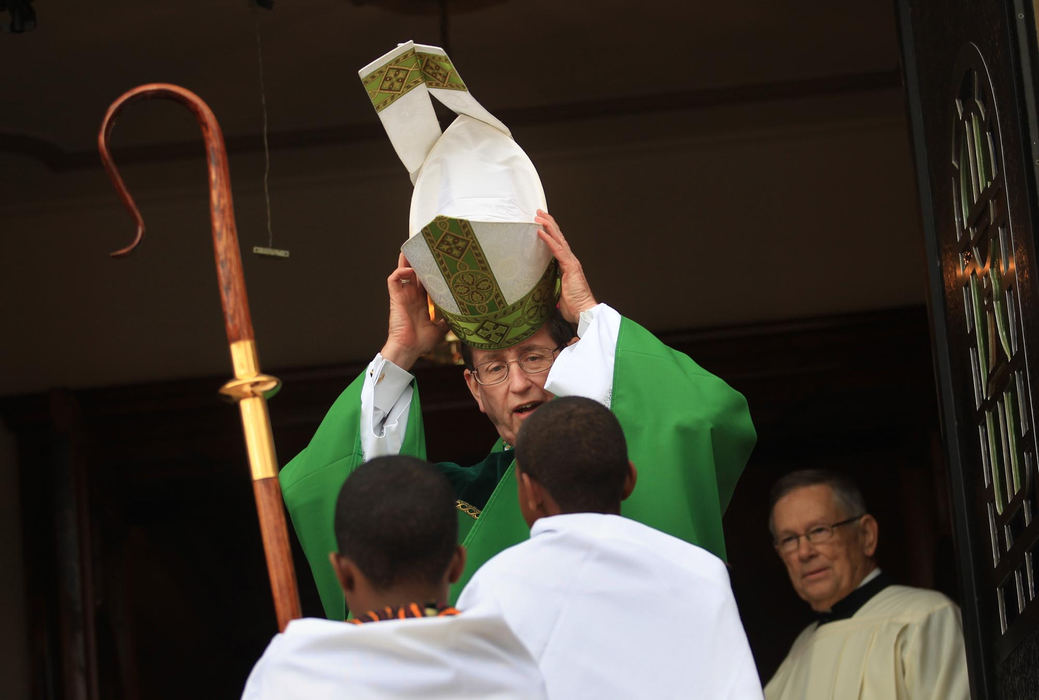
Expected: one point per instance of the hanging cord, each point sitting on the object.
(269, 249)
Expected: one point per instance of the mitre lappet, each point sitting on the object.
(472, 239)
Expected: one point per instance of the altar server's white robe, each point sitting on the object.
(902, 644)
(460, 656)
(611, 608)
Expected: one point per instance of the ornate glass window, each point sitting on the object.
(987, 278)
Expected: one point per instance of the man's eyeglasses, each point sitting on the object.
(532, 361)
(817, 535)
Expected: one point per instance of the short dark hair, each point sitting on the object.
(561, 330)
(575, 448)
(845, 491)
(395, 518)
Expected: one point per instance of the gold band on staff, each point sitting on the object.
(250, 390)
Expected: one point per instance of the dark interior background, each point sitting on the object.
(735, 177)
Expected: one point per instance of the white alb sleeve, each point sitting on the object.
(385, 404)
(586, 367)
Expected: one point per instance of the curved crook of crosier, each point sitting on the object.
(113, 173)
(249, 386)
(225, 236)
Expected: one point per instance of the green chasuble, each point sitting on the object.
(689, 434)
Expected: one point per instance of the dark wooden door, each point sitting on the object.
(969, 68)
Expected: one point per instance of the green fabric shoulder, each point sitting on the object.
(689, 435)
(310, 483)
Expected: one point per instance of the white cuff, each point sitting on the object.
(385, 404)
(389, 382)
(586, 367)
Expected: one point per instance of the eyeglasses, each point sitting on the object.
(532, 361)
(817, 535)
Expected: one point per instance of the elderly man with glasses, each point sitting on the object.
(689, 429)
(871, 639)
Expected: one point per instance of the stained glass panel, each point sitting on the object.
(993, 538)
(1011, 307)
(966, 195)
(1029, 576)
(988, 279)
(995, 464)
(980, 336)
(1010, 423)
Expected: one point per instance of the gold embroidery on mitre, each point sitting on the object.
(485, 320)
(515, 323)
(402, 74)
(464, 267)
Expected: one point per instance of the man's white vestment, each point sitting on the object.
(903, 643)
(611, 608)
(460, 656)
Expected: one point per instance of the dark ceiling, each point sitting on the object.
(523, 55)
(712, 163)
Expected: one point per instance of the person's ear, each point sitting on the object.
(474, 389)
(345, 571)
(523, 498)
(629, 480)
(531, 493)
(457, 564)
(870, 532)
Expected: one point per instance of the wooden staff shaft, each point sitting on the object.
(249, 388)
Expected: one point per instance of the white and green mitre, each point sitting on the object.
(472, 237)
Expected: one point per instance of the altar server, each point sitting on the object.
(609, 607)
(396, 530)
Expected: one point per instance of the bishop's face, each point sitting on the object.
(823, 573)
(509, 403)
